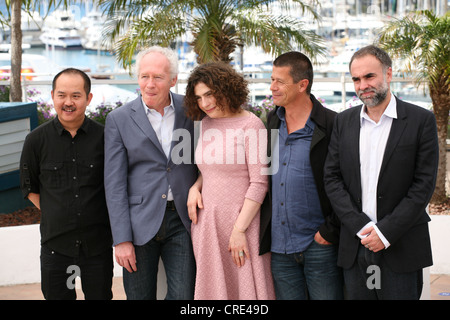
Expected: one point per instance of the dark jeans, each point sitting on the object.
(312, 274)
(173, 244)
(370, 278)
(58, 274)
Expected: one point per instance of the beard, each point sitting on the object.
(379, 95)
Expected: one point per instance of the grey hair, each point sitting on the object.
(378, 53)
(167, 52)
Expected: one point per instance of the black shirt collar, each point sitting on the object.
(60, 129)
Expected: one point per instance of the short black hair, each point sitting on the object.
(87, 80)
(300, 64)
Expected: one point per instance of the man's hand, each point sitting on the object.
(125, 256)
(372, 241)
(320, 240)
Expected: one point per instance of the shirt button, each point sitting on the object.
(74, 178)
(164, 196)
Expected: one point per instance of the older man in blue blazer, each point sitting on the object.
(147, 184)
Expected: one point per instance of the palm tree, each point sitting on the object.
(13, 18)
(217, 26)
(422, 40)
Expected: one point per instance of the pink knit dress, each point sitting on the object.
(230, 155)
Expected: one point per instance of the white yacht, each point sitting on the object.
(61, 30)
(57, 38)
(93, 24)
(62, 19)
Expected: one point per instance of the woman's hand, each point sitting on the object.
(194, 201)
(238, 247)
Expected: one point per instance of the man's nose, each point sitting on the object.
(68, 101)
(364, 84)
(273, 86)
(151, 82)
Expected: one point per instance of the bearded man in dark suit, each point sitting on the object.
(379, 175)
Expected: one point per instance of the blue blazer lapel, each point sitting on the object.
(140, 118)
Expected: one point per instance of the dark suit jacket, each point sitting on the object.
(405, 185)
(324, 119)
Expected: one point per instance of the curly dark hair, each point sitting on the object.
(228, 87)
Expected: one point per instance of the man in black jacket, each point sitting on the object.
(380, 174)
(298, 224)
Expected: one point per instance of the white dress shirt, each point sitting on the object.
(372, 144)
(163, 126)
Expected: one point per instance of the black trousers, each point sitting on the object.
(371, 278)
(58, 273)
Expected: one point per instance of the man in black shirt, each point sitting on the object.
(61, 171)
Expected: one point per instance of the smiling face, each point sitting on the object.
(155, 80)
(284, 91)
(370, 80)
(70, 100)
(208, 103)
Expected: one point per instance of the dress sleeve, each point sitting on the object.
(256, 159)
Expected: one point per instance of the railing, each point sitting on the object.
(340, 83)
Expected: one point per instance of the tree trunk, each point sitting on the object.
(16, 51)
(441, 106)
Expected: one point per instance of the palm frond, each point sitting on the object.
(278, 34)
(160, 28)
(203, 42)
(218, 26)
(422, 41)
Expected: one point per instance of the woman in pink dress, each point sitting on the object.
(225, 201)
